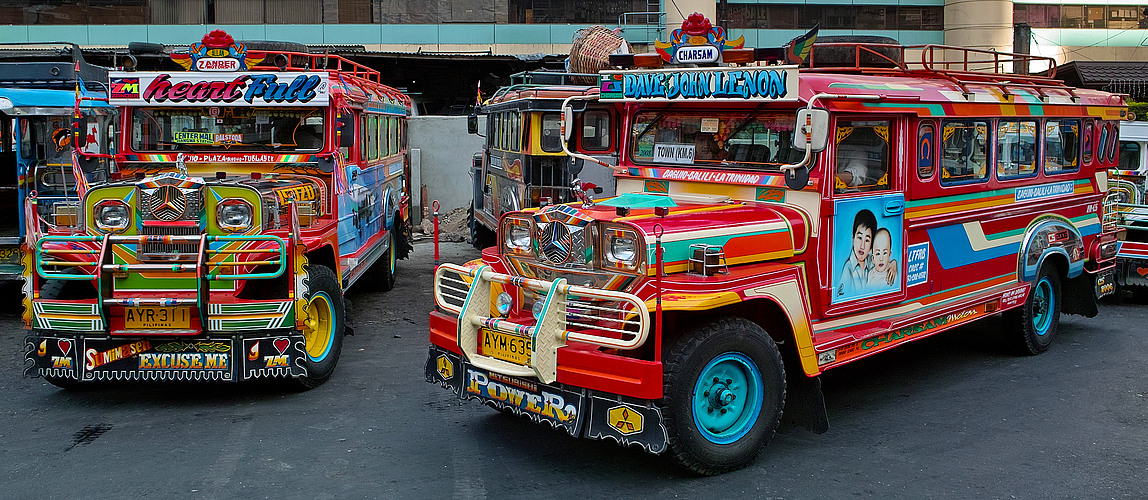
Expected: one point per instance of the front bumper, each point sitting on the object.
(577, 411)
(227, 358)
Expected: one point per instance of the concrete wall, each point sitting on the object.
(445, 152)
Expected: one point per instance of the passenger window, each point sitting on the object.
(1113, 142)
(596, 130)
(1089, 139)
(551, 133)
(862, 155)
(363, 140)
(515, 132)
(926, 151)
(1061, 145)
(1016, 149)
(1129, 155)
(964, 152)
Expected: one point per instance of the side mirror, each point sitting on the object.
(346, 130)
(811, 124)
(567, 123)
(472, 124)
(575, 165)
(80, 128)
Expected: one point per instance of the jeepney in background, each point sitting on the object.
(522, 164)
(748, 251)
(250, 192)
(38, 89)
(1128, 187)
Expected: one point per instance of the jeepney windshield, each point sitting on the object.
(227, 128)
(723, 139)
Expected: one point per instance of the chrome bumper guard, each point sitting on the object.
(604, 318)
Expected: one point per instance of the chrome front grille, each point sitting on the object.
(170, 203)
(155, 249)
(562, 245)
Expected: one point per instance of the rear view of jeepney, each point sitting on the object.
(1127, 208)
(39, 84)
(221, 247)
(522, 164)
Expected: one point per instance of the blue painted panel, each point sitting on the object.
(361, 34)
(175, 34)
(919, 37)
(301, 33)
(411, 33)
(11, 33)
(520, 33)
(75, 34)
(105, 35)
(564, 33)
(466, 33)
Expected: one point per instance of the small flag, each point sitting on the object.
(798, 48)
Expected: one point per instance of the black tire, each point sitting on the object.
(275, 46)
(1031, 328)
(380, 277)
(731, 347)
(480, 236)
(324, 286)
(837, 56)
(145, 48)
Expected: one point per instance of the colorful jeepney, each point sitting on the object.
(744, 245)
(38, 90)
(1129, 185)
(251, 191)
(522, 164)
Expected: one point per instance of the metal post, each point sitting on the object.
(658, 230)
(434, 207)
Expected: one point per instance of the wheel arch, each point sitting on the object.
(779, 308)
(1036, 248)
(325, 256)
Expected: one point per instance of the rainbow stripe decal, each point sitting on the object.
(993, 199)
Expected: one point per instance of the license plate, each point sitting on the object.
(150, 318)
(9, 255)
(508, 348)
(1105, 284)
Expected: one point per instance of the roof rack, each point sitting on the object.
(960, 65)
(300, 61)
(53, 65)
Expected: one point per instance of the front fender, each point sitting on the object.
(1046, 236)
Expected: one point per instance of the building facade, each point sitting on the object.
(1082, 29)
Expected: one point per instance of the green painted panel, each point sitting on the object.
(364, 34)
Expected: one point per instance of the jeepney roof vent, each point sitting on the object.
(707, 260)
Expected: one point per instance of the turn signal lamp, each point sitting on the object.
(737, 56)
(648, 60)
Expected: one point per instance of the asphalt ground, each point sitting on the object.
(950, 416)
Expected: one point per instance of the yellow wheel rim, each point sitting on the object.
(319, 328)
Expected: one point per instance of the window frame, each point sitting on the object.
(988, 152)
(997, 139)
(1044, 146)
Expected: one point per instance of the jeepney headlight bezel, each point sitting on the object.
(516, 235)
(622, 249)
(230, 208)
(105, 213)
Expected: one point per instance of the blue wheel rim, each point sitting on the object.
(727, 398)
(1043, 305)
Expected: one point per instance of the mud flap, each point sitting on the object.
(805, 404)
(1080, 293)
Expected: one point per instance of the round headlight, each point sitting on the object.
(112, 215)
(622, 249)
(234, 215)
(518, 237)
(504, 303)
(539, 305)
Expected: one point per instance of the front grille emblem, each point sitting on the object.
(557, 242)
(168, 203)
